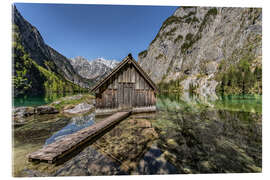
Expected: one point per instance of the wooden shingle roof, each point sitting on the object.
(128, 59)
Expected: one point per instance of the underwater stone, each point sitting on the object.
(80, 108)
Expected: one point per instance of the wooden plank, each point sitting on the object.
(128, 74)
(143, 109)
(146, 86)
(131, 94)
(137, 81)
(98, 102)
(125, 92)
(150, 102)
(102, 101)
(132, 74)
(115, 82)
(116, 98)
(109, 102)
(154, 98)
(122, 95)
(120, 77)
(141, 83)
(110, 83)
(125, 76)
(105, 100)
(119, 95)
(151, 97)
(143, 98)
(136, 96)
(113, 98)
(67, 144)
(146, 97)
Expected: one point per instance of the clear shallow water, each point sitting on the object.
(187, 134)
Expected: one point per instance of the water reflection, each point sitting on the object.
(76, 123)
(175, 102)
(39, 100)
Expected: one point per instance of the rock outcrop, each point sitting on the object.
(192, 43)
(21, 113)
(80, 108)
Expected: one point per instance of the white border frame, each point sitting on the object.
(5, 34)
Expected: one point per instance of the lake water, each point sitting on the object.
(188, 134)
(38, 100)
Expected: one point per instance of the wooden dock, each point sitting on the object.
(58, 149)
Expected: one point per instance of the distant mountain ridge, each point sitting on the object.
(38, 68)
(93, 69)
(43, 54)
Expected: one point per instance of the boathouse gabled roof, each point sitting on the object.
(128, 59)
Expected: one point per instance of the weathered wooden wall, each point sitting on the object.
(126, 89)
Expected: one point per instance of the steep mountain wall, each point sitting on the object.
(194, 42)
(44, 55)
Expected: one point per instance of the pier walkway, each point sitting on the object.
(67, 144)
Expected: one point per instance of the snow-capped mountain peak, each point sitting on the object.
(93, 69)
(110, 63)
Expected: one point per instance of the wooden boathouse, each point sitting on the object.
(126, 88)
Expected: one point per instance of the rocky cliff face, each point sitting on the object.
(193, 43)
(44, 55)
(94, 69)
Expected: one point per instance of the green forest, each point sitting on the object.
(28, 78)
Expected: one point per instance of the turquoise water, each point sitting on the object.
(38, 100)
(245, 103)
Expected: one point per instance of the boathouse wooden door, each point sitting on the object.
(126, 95)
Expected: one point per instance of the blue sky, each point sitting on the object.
(91, 31)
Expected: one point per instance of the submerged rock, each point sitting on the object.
(45, 110)
(80, 108)
(171, 142)
(76, 97)
(21, 112)
(127, 142)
